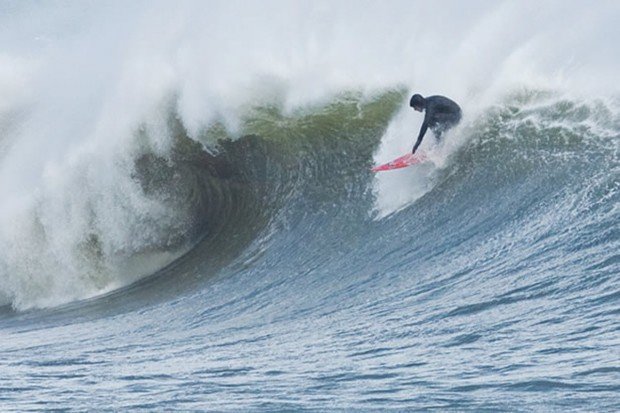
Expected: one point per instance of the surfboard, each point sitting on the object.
(401, 162)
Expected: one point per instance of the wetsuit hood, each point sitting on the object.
(417, 101)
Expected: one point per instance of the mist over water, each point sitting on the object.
(189, 183)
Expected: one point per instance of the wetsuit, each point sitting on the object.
(441, 115)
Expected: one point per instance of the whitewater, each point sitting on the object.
(188, 220)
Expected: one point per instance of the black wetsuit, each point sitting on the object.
(441, 115)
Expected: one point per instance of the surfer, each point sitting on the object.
(441, 114)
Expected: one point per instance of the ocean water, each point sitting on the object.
(188, 220)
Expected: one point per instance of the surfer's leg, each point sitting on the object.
(450, 122)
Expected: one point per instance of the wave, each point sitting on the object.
(167, 203)
(537, 157)
(115, 165)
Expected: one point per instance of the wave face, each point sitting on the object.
(187, 211)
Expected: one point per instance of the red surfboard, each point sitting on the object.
(401, 162)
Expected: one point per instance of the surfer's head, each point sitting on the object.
(417, 102)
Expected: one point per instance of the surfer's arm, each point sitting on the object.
(420, 136)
